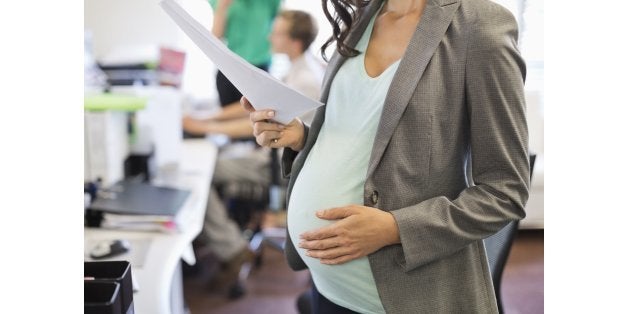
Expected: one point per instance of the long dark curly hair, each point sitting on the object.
(344, 18)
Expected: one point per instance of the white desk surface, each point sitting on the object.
(166, 249)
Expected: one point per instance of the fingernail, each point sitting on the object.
(320, 212)
(308, 253)
(271, 113)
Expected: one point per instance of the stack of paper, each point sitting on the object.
(140, 222)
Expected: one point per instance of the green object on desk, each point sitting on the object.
(151, 65)
(116, 102)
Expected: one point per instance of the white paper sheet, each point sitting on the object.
(261, 89)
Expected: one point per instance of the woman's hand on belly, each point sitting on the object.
(358, 231)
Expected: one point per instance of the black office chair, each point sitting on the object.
(247, 202)
(498, 248)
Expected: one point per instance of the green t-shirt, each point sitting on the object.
(249, 23)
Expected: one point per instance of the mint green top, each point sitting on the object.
(334, 174)
(249, 23)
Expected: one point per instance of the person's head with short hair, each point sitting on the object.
(293, 32)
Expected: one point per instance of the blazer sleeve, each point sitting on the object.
(287, 159)
(495, 73)
(288, 156)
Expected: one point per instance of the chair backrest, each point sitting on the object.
(498, 248)
(277, 189)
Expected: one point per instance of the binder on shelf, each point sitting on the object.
(138, 206)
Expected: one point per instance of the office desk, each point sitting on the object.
(159, 277)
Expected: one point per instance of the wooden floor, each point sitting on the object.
(522, 282)
(273, 288)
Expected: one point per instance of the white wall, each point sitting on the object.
(116, 23)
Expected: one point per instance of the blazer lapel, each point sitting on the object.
(434, 22)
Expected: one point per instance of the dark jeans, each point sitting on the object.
(321, 305)
(226, 91)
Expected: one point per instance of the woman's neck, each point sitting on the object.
(403, 7)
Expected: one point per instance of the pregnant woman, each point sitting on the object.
(418, 154)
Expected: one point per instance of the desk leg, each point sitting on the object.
(177, 301)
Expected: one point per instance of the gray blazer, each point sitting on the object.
(457, 95)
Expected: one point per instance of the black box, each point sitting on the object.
(113, 271)
(102, 297)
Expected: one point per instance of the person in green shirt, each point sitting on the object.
(244, 25)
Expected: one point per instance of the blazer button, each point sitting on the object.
(374, 197)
